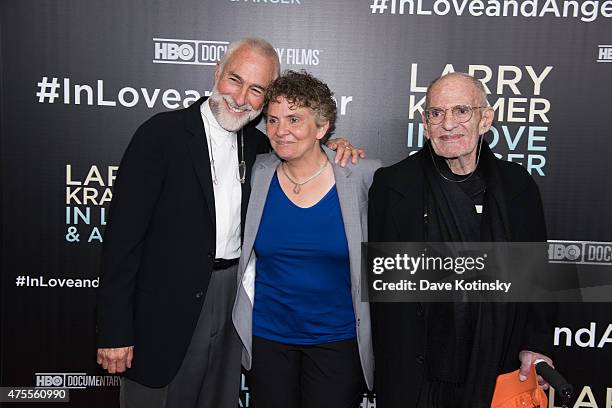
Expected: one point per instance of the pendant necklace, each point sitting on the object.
(241, 165)
(297, 187)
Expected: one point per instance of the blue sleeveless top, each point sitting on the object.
(302, 285)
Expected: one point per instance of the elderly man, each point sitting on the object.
(173, 240)
(454, 189)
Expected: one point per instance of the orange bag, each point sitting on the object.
(510, 392)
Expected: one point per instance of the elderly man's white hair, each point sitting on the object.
(258, 45)
(475, 82)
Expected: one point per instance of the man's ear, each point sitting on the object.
(217, 73)
(486, 121)
(425, 124)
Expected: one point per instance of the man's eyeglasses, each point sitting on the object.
(461, 114)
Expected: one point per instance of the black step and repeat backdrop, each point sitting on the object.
(79, 76)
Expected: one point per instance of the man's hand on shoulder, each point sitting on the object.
(116, 360)
(345, 151)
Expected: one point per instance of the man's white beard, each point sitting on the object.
(227, 120)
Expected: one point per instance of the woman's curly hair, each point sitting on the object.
(301, 89)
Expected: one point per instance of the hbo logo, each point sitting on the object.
(564, 252)
(174, 52)
(49, 381)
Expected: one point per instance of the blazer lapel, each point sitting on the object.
(261, 184)
(242, 313)
(349, 206)
(408, 211)
(198, 150)
(246, 136)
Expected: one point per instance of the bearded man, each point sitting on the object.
(173, 240)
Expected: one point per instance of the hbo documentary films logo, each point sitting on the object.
(75, 380)
(580, 252)
(191, 52)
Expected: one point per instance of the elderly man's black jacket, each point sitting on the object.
(396, 215)
(159, 243)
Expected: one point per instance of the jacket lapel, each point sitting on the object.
(349, 206)
(261, 184)
(198, 150)
(408, 211)
(247, 136)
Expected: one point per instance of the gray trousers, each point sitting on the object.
(209, 376)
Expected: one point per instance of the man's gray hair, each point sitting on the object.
(259, 45)
(475, 82)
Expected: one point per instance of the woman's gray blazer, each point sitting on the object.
(352, 184)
